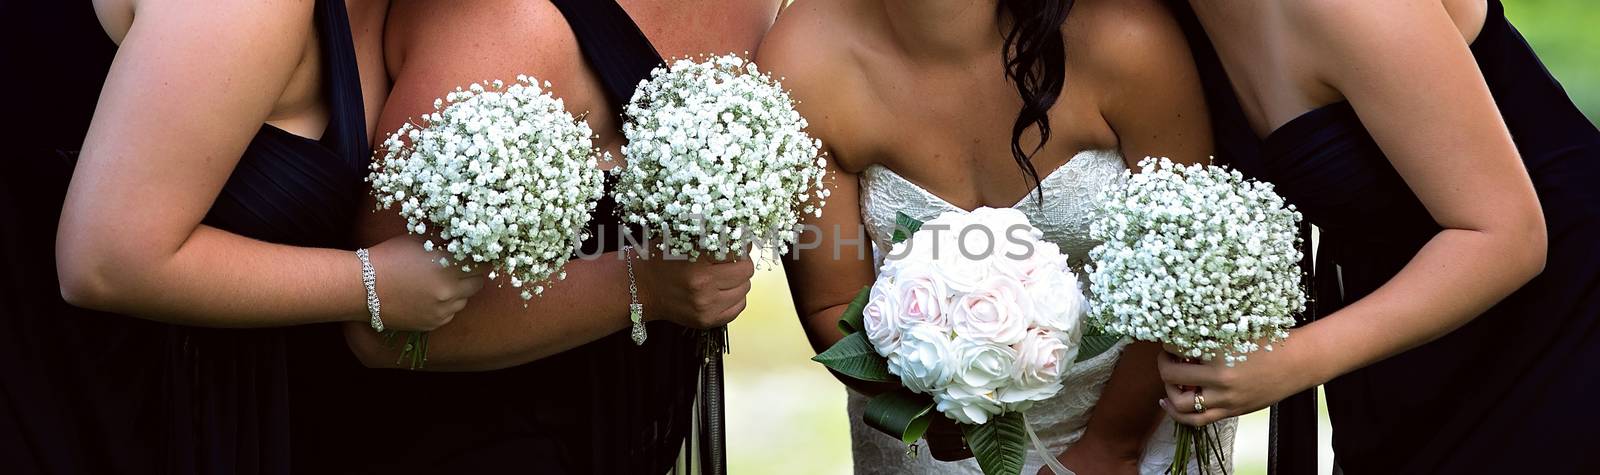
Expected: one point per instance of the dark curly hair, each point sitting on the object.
(1035, 59)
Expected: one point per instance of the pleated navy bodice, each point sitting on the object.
(96, 393)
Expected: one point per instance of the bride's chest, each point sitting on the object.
(1062, 209)
(953, 133)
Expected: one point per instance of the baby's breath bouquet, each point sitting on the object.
(718, 160)
(1198, 258)
(501, 175)
(718, 163)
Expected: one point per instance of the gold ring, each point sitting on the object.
(1199, 404)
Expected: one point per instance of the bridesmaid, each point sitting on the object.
(555, 384)
(211, 201)
(1458, 275)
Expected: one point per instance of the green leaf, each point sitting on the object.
(854, 357)
(850, 322)
(904, 227)
(901, 413)
(999, 445)
(1096, 343)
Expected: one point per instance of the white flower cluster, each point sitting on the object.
(718, 159)
(1197, 257)
(978, 312)
(503, 175)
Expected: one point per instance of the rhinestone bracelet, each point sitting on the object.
(635, 309)
(369, 278)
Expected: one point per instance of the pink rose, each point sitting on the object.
(998, 310)
(883, 317)
(1043, 358)
(923, 295)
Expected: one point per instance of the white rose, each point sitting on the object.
(981, 367)
(1043, 358)
(883, 317)
(923, 247)
(967, 405)
(924, 359)
(998, 311)
(1021, 261)
(982, 364)
(965, 254)
(923, 295)
(1006, 236)
(939, 243)
(1058, 301)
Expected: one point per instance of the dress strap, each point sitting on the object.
(612, 44)
(347, 119)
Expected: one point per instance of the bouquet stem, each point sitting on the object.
(1197, 444)
(414, 353)
(714, 343)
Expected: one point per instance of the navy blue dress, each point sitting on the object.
(606, 407)
(85, 392)
(1510, 392)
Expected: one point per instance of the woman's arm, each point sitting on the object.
(834, 261)
(1414, 82)
(191, 84)
(434, 47)
(1153, 101)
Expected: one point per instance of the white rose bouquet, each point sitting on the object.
(501, 175)
(1200, 259)
(718, 159)
(977, 318)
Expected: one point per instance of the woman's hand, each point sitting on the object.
(694, 294)
(1264, 379)
(416, 292)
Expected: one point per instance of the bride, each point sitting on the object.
(928, 106)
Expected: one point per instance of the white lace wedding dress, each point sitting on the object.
(1070, 194)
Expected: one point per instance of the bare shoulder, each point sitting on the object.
(1324, 15)
(1348, 38)
(813, 50)
(1355, 18)
(116, 17)
(1362, 24)
(436, 46)
(808, 47)
(481, 40)
(1122, 40)
(1137, 55)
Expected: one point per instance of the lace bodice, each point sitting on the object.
(1071, 194)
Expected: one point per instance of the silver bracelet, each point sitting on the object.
(369, 278)
(635, 309)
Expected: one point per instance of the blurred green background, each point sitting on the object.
(786, 414)
(1567, 35)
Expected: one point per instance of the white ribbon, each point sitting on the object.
(1038, 447)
